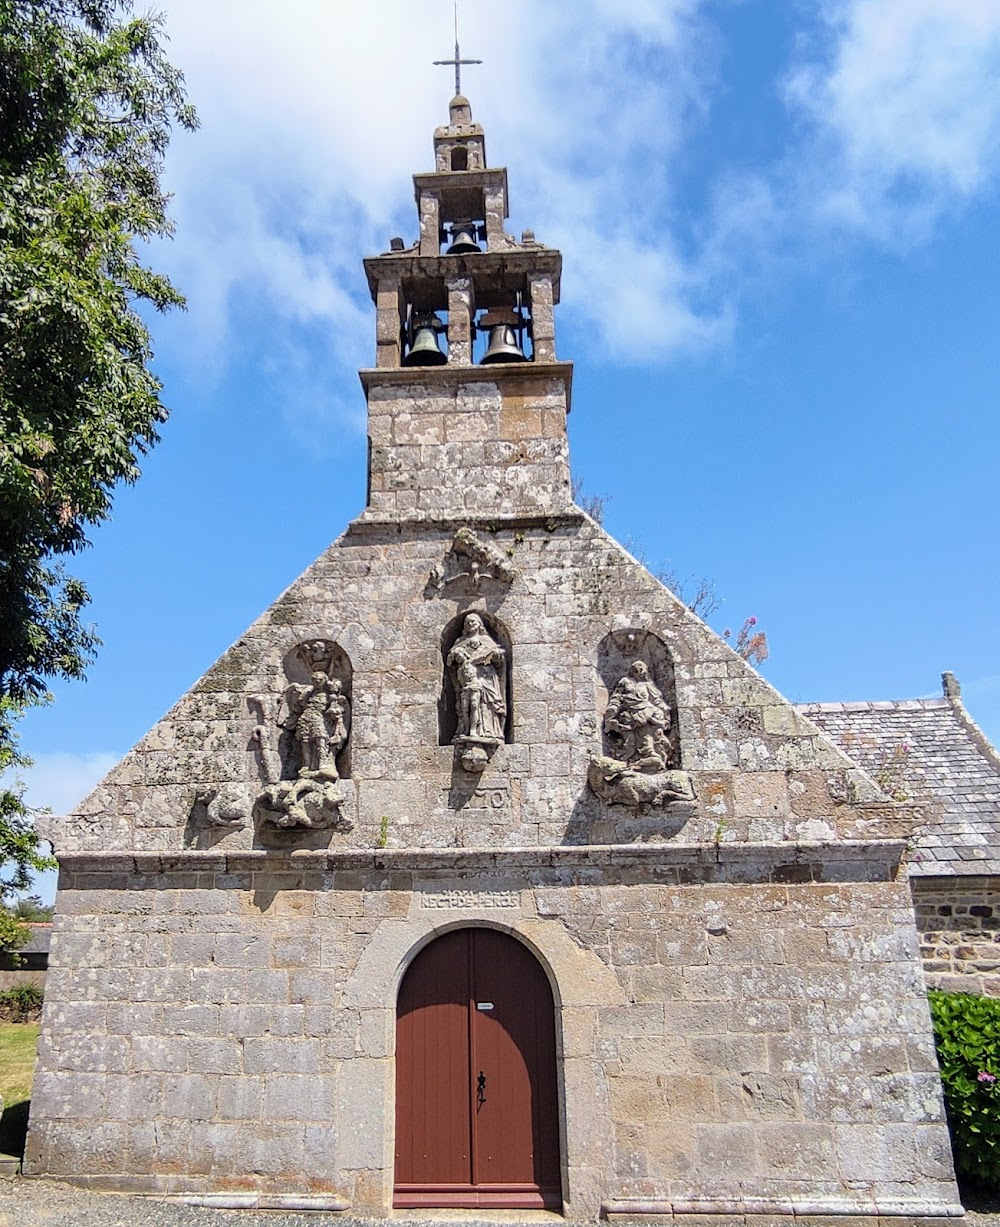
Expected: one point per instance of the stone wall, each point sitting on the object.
(738, 1027)
(385, 594)
(958, 921)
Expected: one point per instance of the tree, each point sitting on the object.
(87, 105)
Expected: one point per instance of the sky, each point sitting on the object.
(779, 229)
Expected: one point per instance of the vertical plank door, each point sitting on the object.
(476, 1090)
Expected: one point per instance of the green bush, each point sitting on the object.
(20, 1003)
(967, 1031)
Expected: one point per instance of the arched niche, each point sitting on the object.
(310, 656)
(448, 714)
(459, 157)
(616, 653)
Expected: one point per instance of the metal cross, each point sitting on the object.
(457, 61)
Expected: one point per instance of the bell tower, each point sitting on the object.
(467, 403)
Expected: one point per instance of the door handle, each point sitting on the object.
(481, 1089)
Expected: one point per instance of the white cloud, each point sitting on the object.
(59, 781)
(311, 126)
(906, 107)
(313, 123)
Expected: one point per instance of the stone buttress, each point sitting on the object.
(477, 709)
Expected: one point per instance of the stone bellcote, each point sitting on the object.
(467, 403)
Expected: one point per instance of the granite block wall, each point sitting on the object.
(731, 1023)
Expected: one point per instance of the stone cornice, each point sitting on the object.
(452, 375)
(667, 864)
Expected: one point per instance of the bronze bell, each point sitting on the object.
(463, 240)
(425, 349)
(503, 346)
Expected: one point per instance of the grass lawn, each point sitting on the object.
(17, 1066)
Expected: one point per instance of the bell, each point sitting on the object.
(463, 239)
(425, 350)
(503, 346)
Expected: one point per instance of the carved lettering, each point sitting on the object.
(466, 900)
(495, 798)
(489, 798)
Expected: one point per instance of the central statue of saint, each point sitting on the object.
(478, 670)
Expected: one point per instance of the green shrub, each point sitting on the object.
(967, 1031)
(20, 1003)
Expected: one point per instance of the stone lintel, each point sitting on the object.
(502, 374)
(681, 864)
(514, 264)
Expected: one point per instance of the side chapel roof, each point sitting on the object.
(930, 751)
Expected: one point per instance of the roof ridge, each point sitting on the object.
(877, 705)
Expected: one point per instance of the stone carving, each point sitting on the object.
(636, 727)
(312, 802)
(265, 739)
(319, 715)
(460, 898)
(637, 720)
(226, 806)
(473, 559)
(477, 665)
(313, 723)
(617, 784)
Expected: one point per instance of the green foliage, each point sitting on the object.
(20, 1003)
(33, 911)
(967, 1031)
(87, 105)
(13, 934)
(19, 852)
(87, 101)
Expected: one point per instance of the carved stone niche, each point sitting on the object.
(302, 740)
(640, 763)
(473, 560)
(474, 710)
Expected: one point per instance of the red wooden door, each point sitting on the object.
(476, 1108)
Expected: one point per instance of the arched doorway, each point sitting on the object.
(477, 1121)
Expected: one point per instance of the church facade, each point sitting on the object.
(479, 872)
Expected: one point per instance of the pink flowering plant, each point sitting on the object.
(751, 643)
(967, 1033)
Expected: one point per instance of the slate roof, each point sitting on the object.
(930, 751)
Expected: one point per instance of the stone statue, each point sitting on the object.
(636, 724)
(637, 720)
(477, 664)
(320, 717)
(303, 789)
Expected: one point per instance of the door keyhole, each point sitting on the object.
(481, 1090)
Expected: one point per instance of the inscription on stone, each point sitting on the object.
(495, 798)
(443, 900)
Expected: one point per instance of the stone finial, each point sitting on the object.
(459, 112)
(951, 686)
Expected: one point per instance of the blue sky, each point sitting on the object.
(779, 228)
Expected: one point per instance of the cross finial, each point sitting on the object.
(457, 61)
